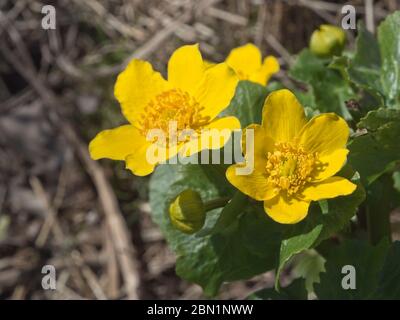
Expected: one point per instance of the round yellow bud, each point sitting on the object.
(187, 212)
(327, 41)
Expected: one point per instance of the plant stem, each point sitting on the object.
(216, 203)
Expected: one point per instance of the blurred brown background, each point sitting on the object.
(91, 219)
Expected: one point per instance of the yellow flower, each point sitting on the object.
(294, 160)
(248, 65)
(192, 97)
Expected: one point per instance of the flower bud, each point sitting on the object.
(187, 212)
(327, 41)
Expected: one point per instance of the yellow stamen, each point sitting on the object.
(289, 167)
(172, 105)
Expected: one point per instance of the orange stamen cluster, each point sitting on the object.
(176, 106)
(289, 168)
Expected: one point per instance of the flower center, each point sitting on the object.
(289, 168)
(174, 109)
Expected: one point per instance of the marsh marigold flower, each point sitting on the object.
(192, 97)
(295, 161)
(248, 65)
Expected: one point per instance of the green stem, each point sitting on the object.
(216, 203)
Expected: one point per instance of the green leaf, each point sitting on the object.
(367, 60)
(381, 199)
(376, 119)
(228, 218)
(247, 103)
(295, 291)
(249, 243)
(364, 69)
(330, 90)
(396, 180)
(248, 249)
(366, 259)
(389, 281)
(340, 211)
(274, 85)
(375, 66)
(294, 244)
(377, 271)
(307, 100)
(389, 42)
(377, 151)
(309, 265)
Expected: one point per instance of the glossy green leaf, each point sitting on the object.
(328, 87)
(381, 200)
(364, 69)
(389, 280)
(389, 42)
(396, 180)
(247, 103)
(377, 271)
(249, 248)
(229, 216)
(376, 119)
(378, 150)
(298, 241)
(375, 66)
(309, 265)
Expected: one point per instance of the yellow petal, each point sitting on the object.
(216, 90)
(288, 210)
(186, 68)
(261, 144)
(329, 188)
(255, 185)
(136, 86)
(212, 136)
(208, 64)
(245, 60)
(156, 153)
(324, 134)
(331, 164)
(269, 67)
(225, 124)
(271, 64)
(138, 163)
(283, 116)
(116, 143)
